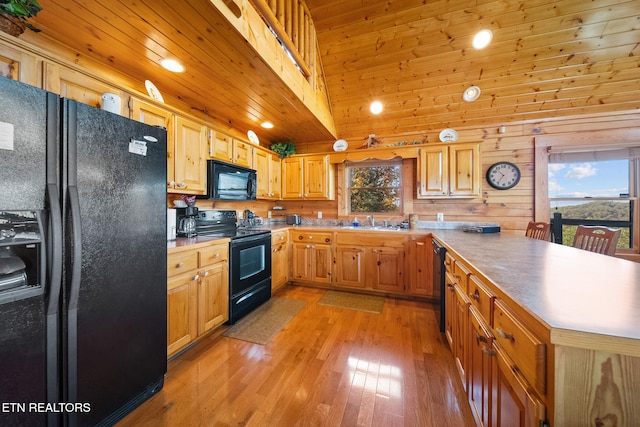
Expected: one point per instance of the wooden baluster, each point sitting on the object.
(280, 12)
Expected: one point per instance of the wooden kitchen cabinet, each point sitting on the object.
(309, 177)
(279, 259)
(480, 367)
(513, 401)
(220, 146)
(269, 174)
(449, 170)
(457, 308)
(197, 293)
(18, 65)
(350, 266)
(155, 116)
(388, 269)
(225, 148)
(374, 261)
(502, 363)
(311, 256)
(182, 300)
(419, 266)
(186, 147)
(190, 163)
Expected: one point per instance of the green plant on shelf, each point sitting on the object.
(283, 149)
(21, 10)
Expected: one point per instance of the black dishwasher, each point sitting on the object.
(438, 275)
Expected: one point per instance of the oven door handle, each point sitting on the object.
(249, 295)
(257, 237)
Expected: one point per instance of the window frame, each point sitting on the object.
(368, 164)
(597, 142)
(407, 177)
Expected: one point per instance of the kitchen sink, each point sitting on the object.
(368, 227)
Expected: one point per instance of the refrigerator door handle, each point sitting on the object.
(54, 263)
(76, 257)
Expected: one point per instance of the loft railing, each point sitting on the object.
(291, 23)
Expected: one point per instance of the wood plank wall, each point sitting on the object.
(513, 208)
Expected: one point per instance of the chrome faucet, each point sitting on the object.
(372, 221)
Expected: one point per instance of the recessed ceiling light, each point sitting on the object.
(172, 65)
(376, 107)
(482, 39)
(267, 125)
(471, 93)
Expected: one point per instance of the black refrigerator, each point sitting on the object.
(83, 298)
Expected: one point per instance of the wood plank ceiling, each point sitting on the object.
(548, 58)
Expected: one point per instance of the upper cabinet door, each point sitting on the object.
(292, 184)
(242, 153)
(156, 116)
(464, 170)
(190, 157)
(433, 179)
(449, 170)
(221, 147)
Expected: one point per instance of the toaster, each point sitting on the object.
(294, 219)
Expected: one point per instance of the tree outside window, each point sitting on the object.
(375, 187)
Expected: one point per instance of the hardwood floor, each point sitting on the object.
(328, 367)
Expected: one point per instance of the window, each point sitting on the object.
(594, 188)
(374, 187)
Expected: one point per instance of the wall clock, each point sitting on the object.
(503, 175)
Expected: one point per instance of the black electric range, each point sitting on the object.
(223, 223)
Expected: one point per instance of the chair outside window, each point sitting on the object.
(602, 240)
(539, 230)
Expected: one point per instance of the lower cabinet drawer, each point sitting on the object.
(182, 262)
(525, 349)
(213, 254)
(481, 298)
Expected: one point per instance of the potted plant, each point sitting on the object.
(284, 149)
(14, 15)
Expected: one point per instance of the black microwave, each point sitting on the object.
(226, 181)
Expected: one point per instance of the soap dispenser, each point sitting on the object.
(355, 222)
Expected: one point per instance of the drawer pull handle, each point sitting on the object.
(449, 285)
(504, 335)
(300, 237)
(488, 351)
(196, 277)
(206, 273)
(216, 255)
(475, 296)
(481, 338)
(180, 265)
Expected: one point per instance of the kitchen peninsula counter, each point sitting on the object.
(586, 300)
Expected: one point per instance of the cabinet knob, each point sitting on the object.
(180, 265)
(475, 296)
(182, 185)
(206, 273)
(196, 277)
(216, 255)
(504, 335)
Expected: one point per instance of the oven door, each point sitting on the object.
(250, 262)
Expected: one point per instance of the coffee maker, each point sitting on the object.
(186, 221)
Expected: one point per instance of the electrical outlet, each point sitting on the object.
(440, 216)
(319, 214)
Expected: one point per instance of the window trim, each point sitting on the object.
(407, 176)
(583, 141)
